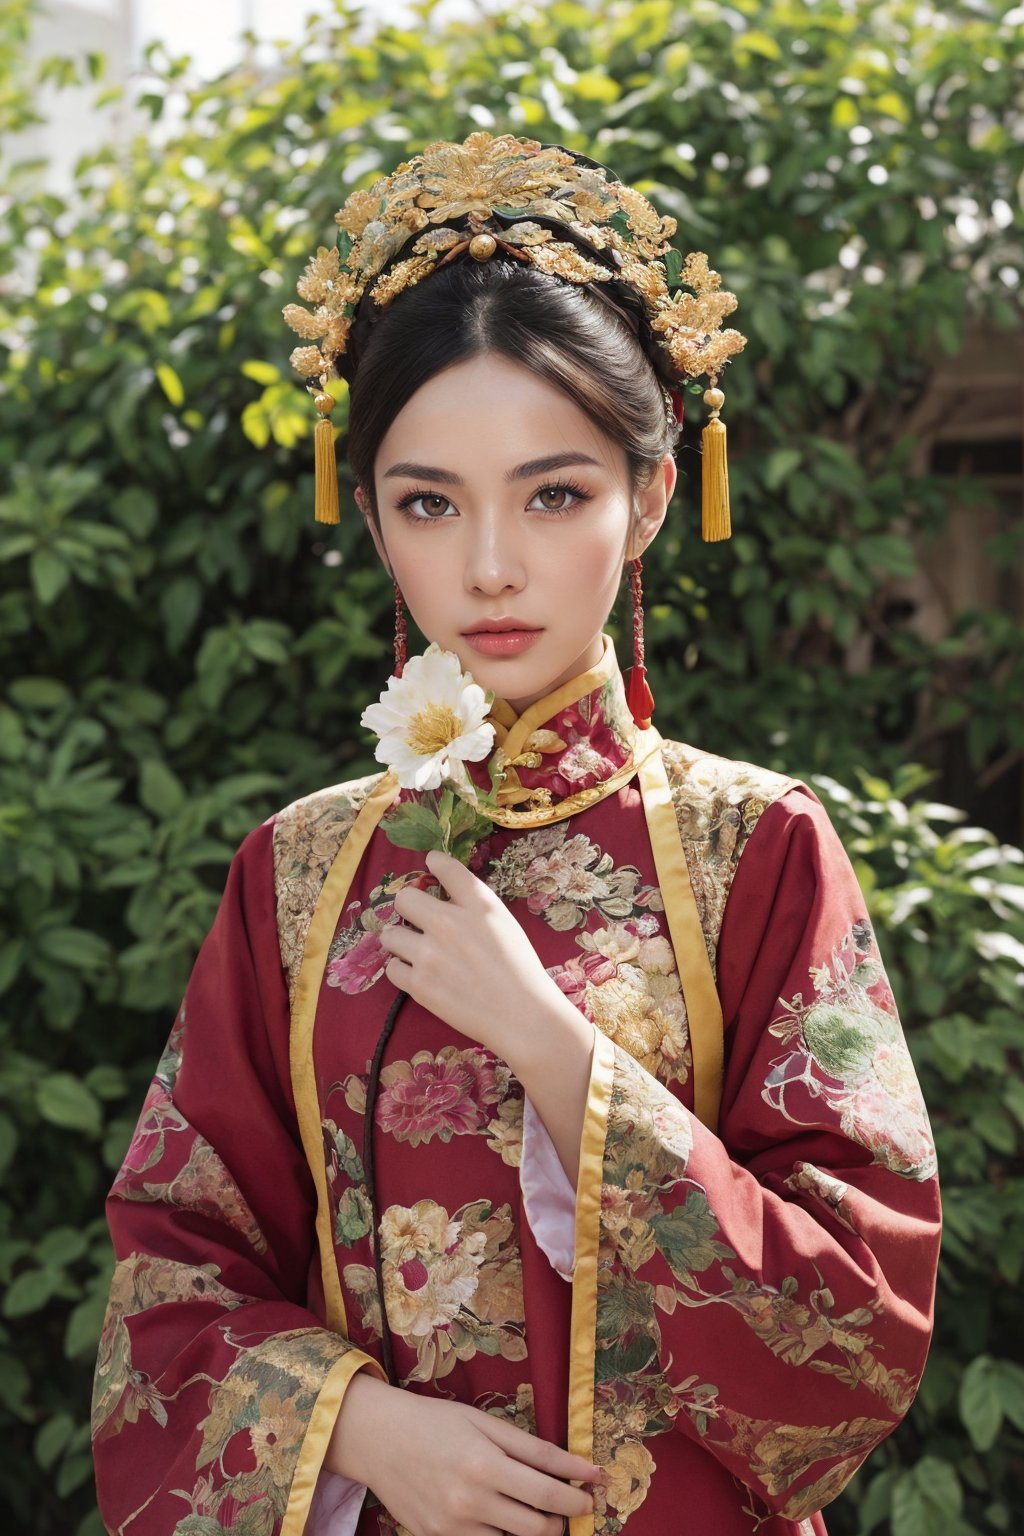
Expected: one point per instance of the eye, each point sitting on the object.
(431, 513)
(561, 489)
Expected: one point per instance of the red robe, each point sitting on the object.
(757, 1216)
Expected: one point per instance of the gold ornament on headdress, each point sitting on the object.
(498, 187)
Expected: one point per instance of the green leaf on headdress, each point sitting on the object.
(344, 243)
(620, 222)
(674, 268)
(508, 213)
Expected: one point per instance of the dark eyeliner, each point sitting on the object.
(563, 485)
(405, 502)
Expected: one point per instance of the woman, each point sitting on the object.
(629, 1109)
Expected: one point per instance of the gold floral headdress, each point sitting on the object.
(498, 190)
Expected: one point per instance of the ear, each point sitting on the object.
(652, 505)
(363, 503)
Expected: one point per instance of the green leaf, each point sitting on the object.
(52, 1438)
(66, 1102)
(15, 1385)
(779, 465)
(38, 692)
(160, 791)
(106, 1081)
(622, 1360)
(840, 563)
(926, 1498)
(181, 601)
(761, 43)
(845, 113)
(687, 1236)
(8, 1141)
(61, 1246)
(1010, 1386)
(262, 372)
(50, 575)
(877, 1501)
(413, 826)
(12, 957)
(266, 645)
(84, 1326)
(136, 509)
(72, 1473)
(76, 947)
(170, 384)
(30, 1291)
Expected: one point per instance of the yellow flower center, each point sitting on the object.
(432, 728)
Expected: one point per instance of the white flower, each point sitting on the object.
(431, 721)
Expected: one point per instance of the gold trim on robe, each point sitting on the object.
(703, 1008)
(307, 991)
(700, 810)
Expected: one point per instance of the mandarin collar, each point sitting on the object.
(578, 739)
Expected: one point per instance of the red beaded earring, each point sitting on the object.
(401, 636)
(638, 693)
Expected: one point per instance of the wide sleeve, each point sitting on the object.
(767, 1290)
(217, 1387)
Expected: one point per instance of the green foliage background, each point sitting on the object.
(183, 650)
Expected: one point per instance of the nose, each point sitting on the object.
(494, 563)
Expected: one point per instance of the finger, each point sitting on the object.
(540, 1492)
(541, 1454)
(418, 907)
(399, 974)
(400, 941)
(458, 881)
(517, 1519)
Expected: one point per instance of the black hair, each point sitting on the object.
(595, 347)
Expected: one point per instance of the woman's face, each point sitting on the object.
(505, 518)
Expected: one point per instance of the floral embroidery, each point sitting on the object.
(505, 1131)
(353, 1214)
(453, 1285)
(652, 1211)
(778, 1454)
(169, 1065)
(201, 1183)
(263, 1405)
(627, 984)
(625, 978)
(581, 746)
(120, 1394)
(307, 836)
(807, 1179)
(847, 1049)
(515, 1408)
(450, 1094)
(718, 802)
(563, 878)
(356, 958)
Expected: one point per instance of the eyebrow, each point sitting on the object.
(406, 470)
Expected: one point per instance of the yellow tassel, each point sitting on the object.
(716, 522)
(326, 497)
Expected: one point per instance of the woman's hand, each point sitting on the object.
(445, 1469)
(468, 961)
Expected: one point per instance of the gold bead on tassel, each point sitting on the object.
(326, 499)
(715, 520)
